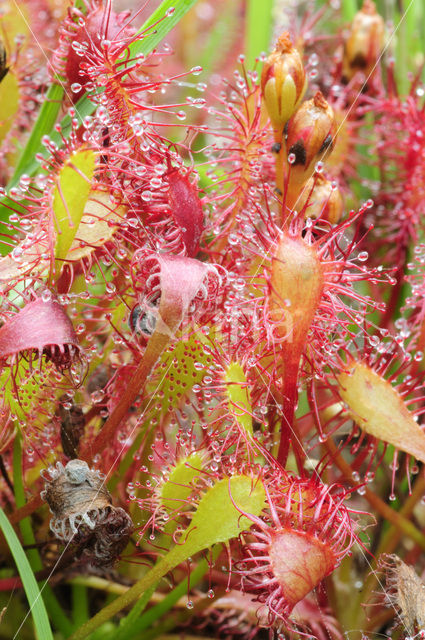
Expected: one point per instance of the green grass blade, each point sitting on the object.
(43, 126)
(180, 7)
(55, 611)
(38, 610)
(258, 29)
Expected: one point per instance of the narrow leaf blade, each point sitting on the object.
(38, 610)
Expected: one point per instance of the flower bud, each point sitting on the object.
(365, 42)
(321, 199)
(310, 137)
(283, 81)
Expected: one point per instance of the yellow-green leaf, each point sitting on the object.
(380, 410)
(178, 488)
(9, 101)
(238, 396)
(97, 225)
(178, 370)
(25, 392)
(217, 519)
(69, 200)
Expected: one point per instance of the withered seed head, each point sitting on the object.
(405, 591)
(75, 495)
(83, 511)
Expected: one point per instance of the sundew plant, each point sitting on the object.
(212, 319)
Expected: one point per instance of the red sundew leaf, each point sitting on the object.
(39, 325)
(186, 208)
(97, 25)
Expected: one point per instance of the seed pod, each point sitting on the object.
(321, 200)
(365, 43)
(283, 81)
(310, 137)
(83, 512)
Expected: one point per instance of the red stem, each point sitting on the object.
(289, 434)
(157, 343)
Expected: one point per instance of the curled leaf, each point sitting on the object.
(182, 285)
(41, 327)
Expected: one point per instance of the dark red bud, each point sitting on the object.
(186, 209)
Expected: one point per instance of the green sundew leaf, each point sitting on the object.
(23, 393)
(178, 486)
(379, 409)
(178, 370)
(238, 396)
(9, 101)
(35, 601)
(175, 375)
(217, 519)
(258, 29)
(69, 199)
